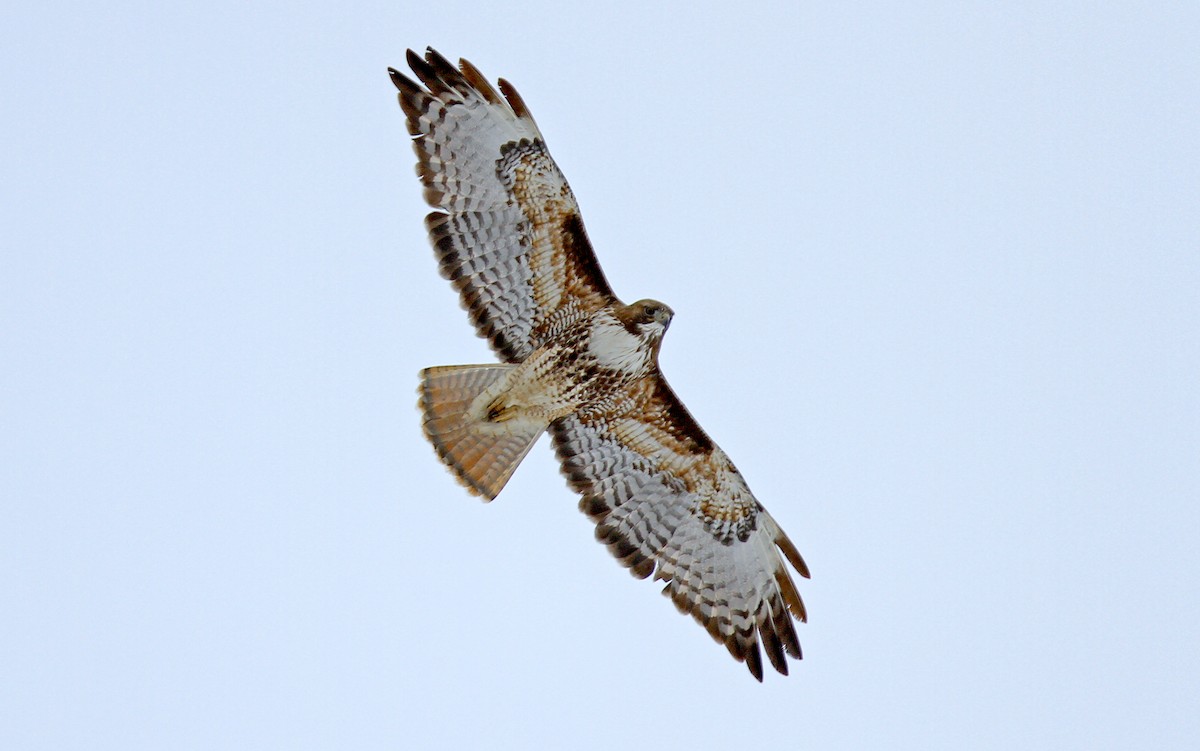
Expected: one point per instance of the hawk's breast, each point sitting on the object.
(615, 347)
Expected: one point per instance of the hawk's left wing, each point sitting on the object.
(667, 501)
(506, 230)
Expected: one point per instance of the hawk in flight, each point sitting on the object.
(581, 364)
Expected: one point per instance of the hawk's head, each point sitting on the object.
(646, 319)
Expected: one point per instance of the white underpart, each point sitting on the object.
(615, 348)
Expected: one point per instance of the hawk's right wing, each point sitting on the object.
(506, 229)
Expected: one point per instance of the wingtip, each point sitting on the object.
(773, 646)
(792, 554)
(439, 62)
(399, 80)
(479, 82)
(754, 662)
(423, 70)
(519, 108)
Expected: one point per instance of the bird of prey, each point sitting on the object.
(577, 362)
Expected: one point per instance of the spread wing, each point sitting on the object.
(666, 500)
(506, 229)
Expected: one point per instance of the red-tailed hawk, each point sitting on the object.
(583, 365)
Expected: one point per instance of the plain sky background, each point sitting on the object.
(936, 274)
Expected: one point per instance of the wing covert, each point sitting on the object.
(506, 228)
(666, 500)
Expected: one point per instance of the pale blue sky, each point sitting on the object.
(936, 274)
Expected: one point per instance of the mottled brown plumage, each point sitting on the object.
(582, 365)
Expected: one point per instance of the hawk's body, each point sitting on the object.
(584, 366)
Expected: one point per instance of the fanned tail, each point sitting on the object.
(481, 449)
